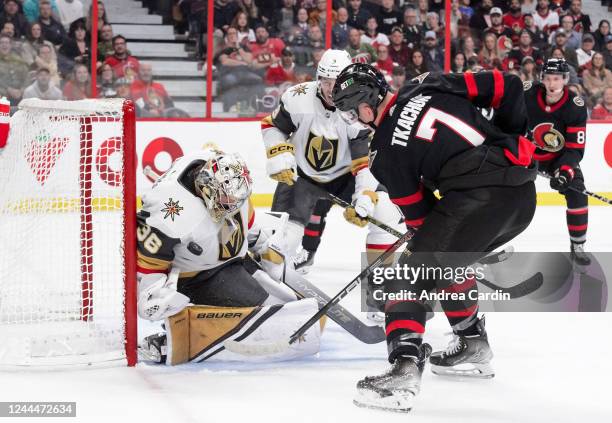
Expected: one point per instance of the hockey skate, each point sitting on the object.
(578, 256)
(303, 261)
(153, 348)
(467, 356)
(395, 389)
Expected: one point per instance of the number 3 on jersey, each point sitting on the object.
(426, 130)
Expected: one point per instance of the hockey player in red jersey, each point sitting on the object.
(557, 119)
(431, 134)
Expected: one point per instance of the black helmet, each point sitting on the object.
(359, 83)
(556, 67)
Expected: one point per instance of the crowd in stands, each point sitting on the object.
(261, 45)
(45, 53)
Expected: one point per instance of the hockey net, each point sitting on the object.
(67, 220)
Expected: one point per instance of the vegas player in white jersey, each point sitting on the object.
(311, 150)
(198, 218)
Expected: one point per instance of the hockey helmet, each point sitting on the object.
(556, 67)
(332, 62)
(356, 84)
(224, 182)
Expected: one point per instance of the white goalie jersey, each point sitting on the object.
(325, 147)
(175, 228)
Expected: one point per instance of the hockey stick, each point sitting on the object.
(585, 192)
(521, 289)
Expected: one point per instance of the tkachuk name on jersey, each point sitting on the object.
(407, 117)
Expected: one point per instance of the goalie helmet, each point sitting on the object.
(224, 183)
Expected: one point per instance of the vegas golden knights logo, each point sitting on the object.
(321, 152)
(231, 237)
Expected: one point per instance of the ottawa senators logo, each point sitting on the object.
(321, 152)
(548, 138)
(231, 237)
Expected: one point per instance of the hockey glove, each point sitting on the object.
(158, 299)
(562, 178)
(363, 206)
(281, 163)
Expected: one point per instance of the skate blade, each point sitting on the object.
(303, 270)
(471, 370)
(376, 317)
(397, 403)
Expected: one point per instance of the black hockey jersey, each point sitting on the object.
(560, 129)
(433, 119)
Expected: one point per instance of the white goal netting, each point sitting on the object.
(62, 234)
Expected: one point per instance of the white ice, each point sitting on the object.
(551, 368)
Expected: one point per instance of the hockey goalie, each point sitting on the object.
(195, 231)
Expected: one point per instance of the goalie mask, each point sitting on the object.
(224, 183)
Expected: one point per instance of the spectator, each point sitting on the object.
(603, 30)
(224, 13)
(102, 18)
(52, 29)
(302, 21)
(398, 78)
(124, 65)
(412, 30)
(31, 9)
(468, 47)
(13, 72)
(608, 52)
(586, 52)
(106, 82)
(545, 19)
(70, 11)
(524, 49)
(241, 23)
(122, 87)
(11, 14)
(596, 78)
(422, 10)
(75, 49)
(603, 111)
(388, 17)
(497, 27)
(561, 42)
(417, 64)
(459, 63)
(432, 23)
(34, 40)
(582, 22)
(284, 71)
(466, 12)
(317, 16)
(42, 87)
(528, 70)
(434, 55)
(489, 57)
(79, 86)
(251, 10)
(151, 97)
(360, 52)
(340, 30)
(372, 36)
(514, 18)
(47, 59)
(105, 43)
(266, 50)
(315, 37)
(539, 38)
(573, 37)
(234, 63)
(398, 49)
(358, 16)
(558, 53)
(284, 18)
(384, 63)
(9, 29)
(480, 19)
(528, 6)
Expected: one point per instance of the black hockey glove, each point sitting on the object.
(562, 178)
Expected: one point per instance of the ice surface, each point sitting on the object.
(550, 367)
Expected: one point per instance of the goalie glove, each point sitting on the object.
(363, 206)
(562, 178)
(281, 163)
(158, 297)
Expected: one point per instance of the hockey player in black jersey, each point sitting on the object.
(557, 119)
(431, 135)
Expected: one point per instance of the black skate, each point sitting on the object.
(153, 348)
(303, 261)
(395, 389)
(467, 356)
(578, 255)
